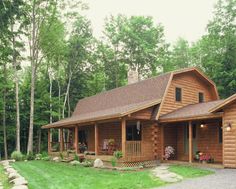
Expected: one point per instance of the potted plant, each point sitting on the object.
(205, 158)
(169, 151)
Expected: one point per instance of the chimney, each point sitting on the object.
(132, 76)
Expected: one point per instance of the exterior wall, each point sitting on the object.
(91, 140)
(191, 85)
(229, 137)
(170, 138)
(109, 131)
(208, 141)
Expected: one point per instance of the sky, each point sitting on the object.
(180, 18)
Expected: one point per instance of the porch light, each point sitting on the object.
(138, 127)
(228, 127)
(202, 125)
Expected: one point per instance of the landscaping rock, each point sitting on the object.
(10, 170)
(98, 163)
(20, 187)
(56, 159)
(19, 181)
(12, 176)
(74, 162)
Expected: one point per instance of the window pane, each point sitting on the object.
(132, 133)
(220, 134)
(178, 94)
(201, 97)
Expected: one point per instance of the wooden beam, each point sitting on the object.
(76, 139)
(49, 141)
(190, 136)
(96, 138)
(162, 141)
(61, 140)
(123, 136)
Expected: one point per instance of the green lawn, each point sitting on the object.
(3, 179)
(50, 175)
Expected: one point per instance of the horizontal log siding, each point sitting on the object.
(90, 140)
(191, 85)
(229, 137)
(170, 138)
(109, 131)
(208, 141)
(143, 114)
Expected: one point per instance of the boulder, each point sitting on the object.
(98, 163)
(56, 159)
(12, 176)
(19, 181)
(74, 162)
(10, 170)
(20, 187)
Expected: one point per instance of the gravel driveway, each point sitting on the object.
(222, 179)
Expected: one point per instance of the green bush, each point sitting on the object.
(61, 156)
(118, 154)
(113, 161)
(38, 156)
(76, 157)
(16, 155)
(87, 163)
(30, 156)
(44, 154)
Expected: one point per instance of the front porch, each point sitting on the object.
(100, 140)
(189, 138)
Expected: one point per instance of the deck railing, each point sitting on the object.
(134, 148)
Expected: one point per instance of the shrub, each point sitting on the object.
(30, 156)
(113, 161)
(76, 157)
(87, 163)
(44, 154)
(169, 150)
(118, 154)
(38, 156)
(16, 155)
(61, 156)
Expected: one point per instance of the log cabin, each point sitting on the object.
(181, 109)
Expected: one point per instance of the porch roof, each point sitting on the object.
(110, 113)
(192, 112)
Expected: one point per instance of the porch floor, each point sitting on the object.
(196, 164)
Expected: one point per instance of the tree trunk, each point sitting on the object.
(16, 79)
(4, 115)
(33, 75)
(67, 93)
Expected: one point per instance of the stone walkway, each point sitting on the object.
(164, 174)
(222, 179)
(1, 186)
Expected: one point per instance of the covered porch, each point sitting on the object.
(194, 137)
(101, 139)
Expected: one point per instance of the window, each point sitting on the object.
(132, 133)
(220, 134)
(178, 94)
(200, 97)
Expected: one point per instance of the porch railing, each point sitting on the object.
(133, 148)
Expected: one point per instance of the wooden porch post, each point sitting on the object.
(190, 136)
(61, 140)
(49, 141)
(123, 136)
(96, 138)
(76, 139)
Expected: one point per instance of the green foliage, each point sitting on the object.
(113, 161)
(87, 163)
(76, 157)
(16, 155)
(118, 154)
(30, 156)
(61, 155)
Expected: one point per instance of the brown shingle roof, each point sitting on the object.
(119, 101)
(191, 111)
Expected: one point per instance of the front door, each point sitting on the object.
(186, 139)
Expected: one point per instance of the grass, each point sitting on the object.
(189, 172)
(51, 175)
(3, 179)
